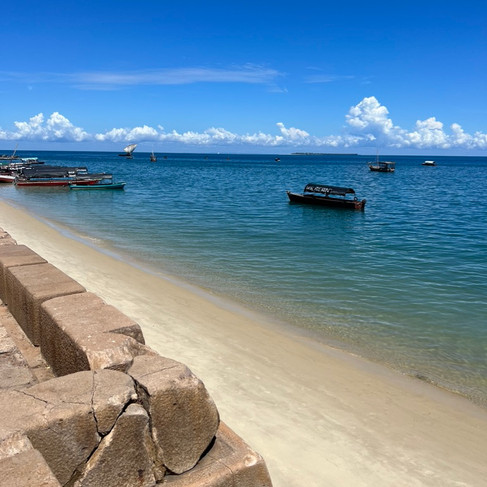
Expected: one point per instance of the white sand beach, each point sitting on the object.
(319, 416)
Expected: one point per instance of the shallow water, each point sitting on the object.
(404, 282)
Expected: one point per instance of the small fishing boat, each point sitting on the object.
(153, 158)
(52, 182)
(382, 166)
(6, 177)
(429, 163)
(106, 182)
(325, 195)
(98, 186)
(127, 151)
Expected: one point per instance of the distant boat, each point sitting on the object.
(13, 157)
(429, 163)
(153, 158)
(277, 159)
(127, 152)
(382, 166)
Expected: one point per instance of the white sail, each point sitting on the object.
(130, 148)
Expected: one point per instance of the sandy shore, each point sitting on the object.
(320, 417)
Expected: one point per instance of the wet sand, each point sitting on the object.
(319, 416)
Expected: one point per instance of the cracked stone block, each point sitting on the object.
(230, 461)
(114, 463)
(112, 391)
(184, 417)
(64, 418)
(14, 255)
(29, 286)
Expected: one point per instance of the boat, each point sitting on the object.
(105, 183)
(325, 195)
(98, 185)
(13, 157)
(48, 176)
(382, 166)
(7, 178)
(429, 163)
(127, 151)
(153, 158)
(50, 182)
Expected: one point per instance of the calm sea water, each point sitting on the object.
(403, 283)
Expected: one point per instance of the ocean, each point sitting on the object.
(403, 283)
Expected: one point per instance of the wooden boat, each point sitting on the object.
(429, 163)
(127, 151)
(51, 182)
(48, 176)
(6, 177)
(382, 166)
(324, 195)
(120, 185)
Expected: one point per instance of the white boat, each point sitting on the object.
(153, 158)
(429, 163)
(128, 151)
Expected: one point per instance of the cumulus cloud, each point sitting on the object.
(366, 124)
(56, 127)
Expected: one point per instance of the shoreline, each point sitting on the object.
(318, 415)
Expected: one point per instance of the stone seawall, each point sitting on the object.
(85, 402)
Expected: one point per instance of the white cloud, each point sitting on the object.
(367, 124)
(56, 127)
(106, 80)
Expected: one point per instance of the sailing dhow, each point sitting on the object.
(128, 151)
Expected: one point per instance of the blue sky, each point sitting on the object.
(245, 77)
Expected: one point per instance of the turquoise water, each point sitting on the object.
(403, 283)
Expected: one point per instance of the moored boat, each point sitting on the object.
(105, 183)
(98, 185)
(48, 176)
(325, 195)
(382, 166)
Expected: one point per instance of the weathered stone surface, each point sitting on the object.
(112, 392)
(14, 255)
(27, 355)
(184, 417)
(13, 443)
(82, 332)
(7, 240)
(26, 469)
(66, 433)
(230, 461)
(124, 456)
(87, 314)
(27, 287)
(60, 417)
(20, 412)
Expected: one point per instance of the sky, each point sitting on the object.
(245, 77)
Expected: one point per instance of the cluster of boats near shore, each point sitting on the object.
(30, 171)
